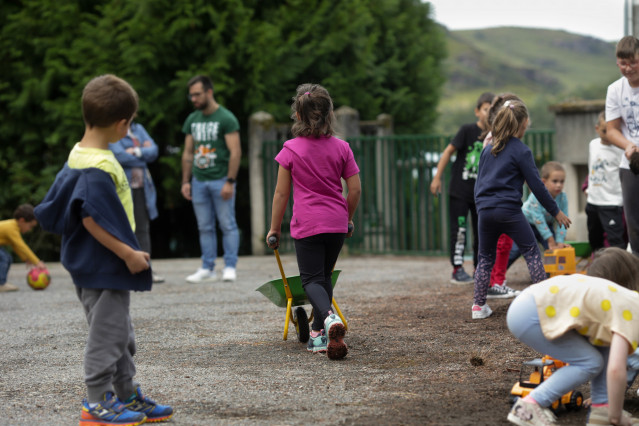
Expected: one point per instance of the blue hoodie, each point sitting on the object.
(74, 195)
(501, 177)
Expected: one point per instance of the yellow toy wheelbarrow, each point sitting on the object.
(288, 293)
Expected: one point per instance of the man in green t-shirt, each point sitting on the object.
(210, 163)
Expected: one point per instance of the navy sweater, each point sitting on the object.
(74, 195)
(500, 180)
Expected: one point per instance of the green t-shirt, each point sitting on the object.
(210, 155)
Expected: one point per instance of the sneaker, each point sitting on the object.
(141, 404)
(7, 287)
(229, 274)
(202, 275)
(317, 344)
(157, 279)
(481, 312)
(599, 416)
(335, 330)
(526, 413)
(109, 412)
(460, 276)
(501, 292)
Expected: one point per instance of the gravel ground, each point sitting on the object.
(215, 351)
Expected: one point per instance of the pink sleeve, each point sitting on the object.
(284, 158)
(350, 166)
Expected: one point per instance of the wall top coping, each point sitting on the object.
(580, 106)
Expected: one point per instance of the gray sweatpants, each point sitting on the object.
(108, 356)
(629, 190)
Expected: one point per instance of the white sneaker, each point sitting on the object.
(202, 275)
(481, 312)
(229, 274)
(525, 413)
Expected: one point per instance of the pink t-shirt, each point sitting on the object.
(316, 166)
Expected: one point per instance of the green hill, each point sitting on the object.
(541, 66)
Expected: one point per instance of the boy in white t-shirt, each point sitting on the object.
(604, 207)
(622, 115)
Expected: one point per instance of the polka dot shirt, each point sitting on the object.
(594, 307)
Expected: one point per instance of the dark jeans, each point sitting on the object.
(142, 223)
(5, 264)
(514, 251)
(629, 190)
(316, 257)
(458, 210)
(512, 222)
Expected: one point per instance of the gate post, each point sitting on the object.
(261, 128)
(348, 122)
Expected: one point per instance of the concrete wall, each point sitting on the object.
(574, 129)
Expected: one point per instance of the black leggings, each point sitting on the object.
(316, 257)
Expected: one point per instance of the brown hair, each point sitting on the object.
(627, 47)
(497, 102)
(24, 211)
(507, 123)
(108, 99)
(485, 98)
(616, 265)
(206, 82)
(312, 111)
(551, 166)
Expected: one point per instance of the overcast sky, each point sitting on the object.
(602, 19)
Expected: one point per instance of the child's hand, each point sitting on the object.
(563, 220)
(436, 186)
(275, 234)
(137, 261)
(553, 246)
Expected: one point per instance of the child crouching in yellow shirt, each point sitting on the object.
(11, 231)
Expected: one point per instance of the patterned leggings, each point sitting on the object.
(493, 223)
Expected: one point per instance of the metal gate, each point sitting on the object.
(397, 213)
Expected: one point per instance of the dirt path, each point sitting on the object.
(215, 351)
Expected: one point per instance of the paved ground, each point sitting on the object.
(215, 351)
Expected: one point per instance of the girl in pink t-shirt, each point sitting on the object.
(315, 162)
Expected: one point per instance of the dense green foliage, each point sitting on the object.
(378, 56)
(544, 67)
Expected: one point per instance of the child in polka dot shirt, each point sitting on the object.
(590, 322)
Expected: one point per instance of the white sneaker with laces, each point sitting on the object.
(525, 413)
(481, 312)
(202, 275)
(229, 274)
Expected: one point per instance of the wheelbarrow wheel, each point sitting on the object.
(300, 319)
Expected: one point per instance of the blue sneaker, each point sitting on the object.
(335, 330)
(317, 344)
(108, 413)
(141, 404)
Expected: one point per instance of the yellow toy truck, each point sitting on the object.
(569, 260)
(542, 368)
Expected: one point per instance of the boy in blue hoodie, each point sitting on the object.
(90, 205)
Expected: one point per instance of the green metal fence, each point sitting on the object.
(397, 213)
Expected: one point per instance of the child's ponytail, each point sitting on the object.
(507, 123)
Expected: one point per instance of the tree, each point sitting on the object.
(373, 55)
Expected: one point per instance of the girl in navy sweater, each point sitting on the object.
(504, 166)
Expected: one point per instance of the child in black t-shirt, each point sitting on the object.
(468, 147)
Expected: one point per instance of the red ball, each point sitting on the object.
(38, 279)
